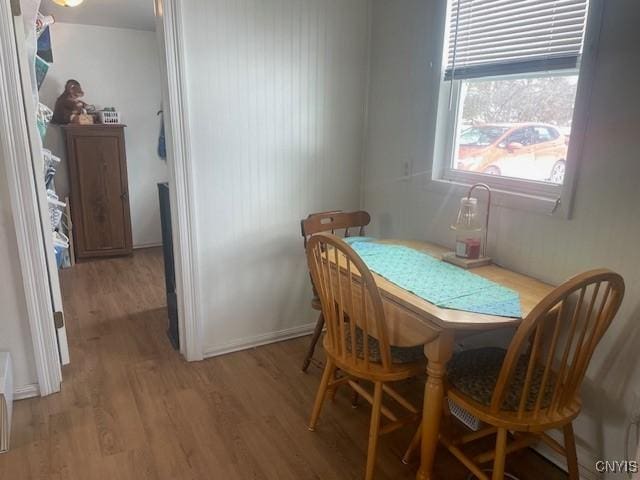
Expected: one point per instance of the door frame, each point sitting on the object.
(181, 176)
(16, 150)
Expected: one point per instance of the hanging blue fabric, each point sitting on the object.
(162, 148)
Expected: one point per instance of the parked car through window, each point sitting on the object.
(520, 150)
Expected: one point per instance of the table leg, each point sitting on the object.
(438, 353)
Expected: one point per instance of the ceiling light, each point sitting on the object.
(68, 3)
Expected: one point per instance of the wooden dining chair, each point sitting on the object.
(357, 339)
(334, 221)
(534, 385)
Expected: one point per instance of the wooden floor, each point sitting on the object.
(131, 408)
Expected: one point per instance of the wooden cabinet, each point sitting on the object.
(99, 190)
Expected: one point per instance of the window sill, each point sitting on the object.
(500, 198)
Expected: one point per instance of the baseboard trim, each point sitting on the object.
(587, 471)
(259, 340)
(26, 391)
(147, 245)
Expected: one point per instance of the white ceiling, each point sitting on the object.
(136, 14)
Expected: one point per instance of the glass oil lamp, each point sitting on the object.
(471, 232)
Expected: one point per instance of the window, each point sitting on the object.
(510, 82)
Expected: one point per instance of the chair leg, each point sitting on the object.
(501, 453)
(570, 449)
(354, 395)
(413, 446)
(314, 340)
(354, 399)
(333, 391)
(327, 376)
(374, 430)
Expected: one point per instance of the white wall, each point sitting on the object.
(275, 92)
(604, 230)
(116, 67)
(15, 335)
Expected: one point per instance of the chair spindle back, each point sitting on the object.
(333, 221)
(557, 340)
(350, 301)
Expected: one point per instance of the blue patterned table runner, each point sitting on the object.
(438, 282)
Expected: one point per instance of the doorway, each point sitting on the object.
(145, 223)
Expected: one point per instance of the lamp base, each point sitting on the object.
(465, 262)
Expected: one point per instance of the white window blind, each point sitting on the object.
(499, 37)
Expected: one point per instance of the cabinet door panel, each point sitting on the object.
(101, 193)
(100, 204)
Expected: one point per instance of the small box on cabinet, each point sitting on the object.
(109, 117)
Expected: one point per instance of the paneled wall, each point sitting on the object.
(275, 95)
(604, 229)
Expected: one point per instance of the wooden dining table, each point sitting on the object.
(412, 321)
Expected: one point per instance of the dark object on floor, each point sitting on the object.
(169, 266)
